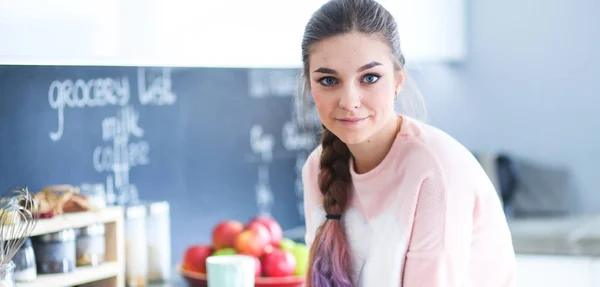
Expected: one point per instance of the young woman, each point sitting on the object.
(389, 200)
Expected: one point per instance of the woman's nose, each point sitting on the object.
(350, 99)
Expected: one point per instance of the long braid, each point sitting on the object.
(330, 263)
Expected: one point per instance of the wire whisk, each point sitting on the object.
(18, 217)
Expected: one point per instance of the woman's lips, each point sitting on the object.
(351, 121)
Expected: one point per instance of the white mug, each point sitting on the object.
(230, 271)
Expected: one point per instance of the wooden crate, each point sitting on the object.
(109, 274)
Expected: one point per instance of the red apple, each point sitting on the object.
(224, 233)
(279, 263)
(253, 240)
(272, 225)
(195, 256)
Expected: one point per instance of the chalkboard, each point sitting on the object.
(216, 143)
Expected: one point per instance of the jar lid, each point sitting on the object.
(159, 207)
(92, 230)
(135, 211)
(61, 236)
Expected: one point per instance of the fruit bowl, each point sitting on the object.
(199, 280)
(279, 260)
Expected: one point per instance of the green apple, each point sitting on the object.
(301, 253)
(287, 244)
(224, 251)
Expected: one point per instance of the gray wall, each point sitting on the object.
(533, 73)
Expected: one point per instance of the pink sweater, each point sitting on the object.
(428, 216)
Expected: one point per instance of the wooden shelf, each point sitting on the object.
(109, 274)
(81, 275)
(77, 220)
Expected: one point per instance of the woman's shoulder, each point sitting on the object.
(436, 151)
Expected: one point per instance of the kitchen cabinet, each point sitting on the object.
(234, 33)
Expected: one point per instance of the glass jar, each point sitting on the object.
(55, 252)
(136, 246)
(24, 259)
(158, 232)
(91, 245)
(7, 278)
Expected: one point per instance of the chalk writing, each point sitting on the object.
(264, 195)
(113, 127)
(81, 94)
(124, 153)
(127, 148)
(293, 139)
(136, 154)
(261, 143)
(131, 196)
(268, 82)
(159, 91)
(111, 195)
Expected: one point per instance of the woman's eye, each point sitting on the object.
(371, 78)
(328, 81)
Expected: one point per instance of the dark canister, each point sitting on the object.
(55, 252)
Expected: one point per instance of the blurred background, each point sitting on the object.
(193, 104)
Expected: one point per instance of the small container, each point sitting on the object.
(24, 259)
(7, 278)
(136, 242)
(91, 245)
(158, 232)
(55, 252)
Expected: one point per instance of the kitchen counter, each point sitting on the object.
(575, 235)
(173, 283)
(169, 284)
(176, 281)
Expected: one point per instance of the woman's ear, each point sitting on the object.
(399, 81)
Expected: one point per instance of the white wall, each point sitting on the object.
(234, 33)
(529, 86)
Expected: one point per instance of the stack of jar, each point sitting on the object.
(148, 244)
(60, 252)
(148, 248)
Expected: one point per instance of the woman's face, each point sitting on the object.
(353, 81)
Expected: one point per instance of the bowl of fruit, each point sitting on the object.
(280, 262)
